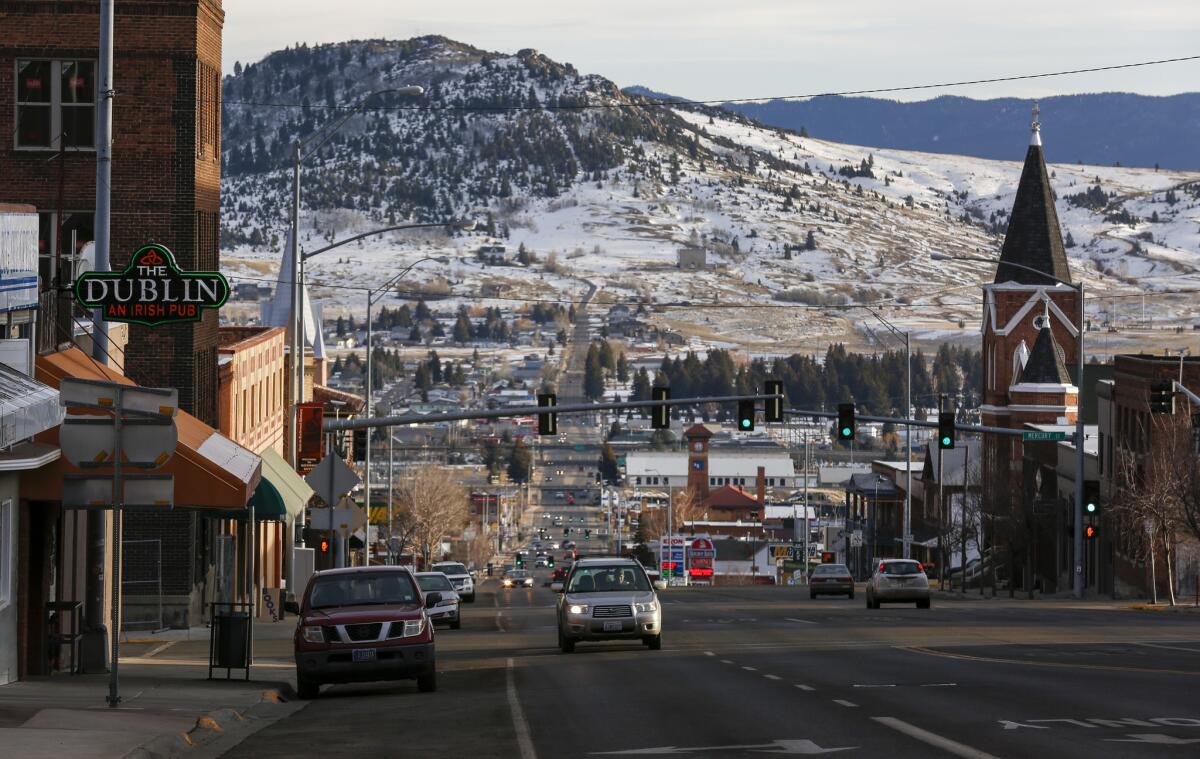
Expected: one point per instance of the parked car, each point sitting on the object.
(460, 578)
(518, 578)
(830, 579)
(447, 610)
(898, 581)
(363, 624)
(608, 599)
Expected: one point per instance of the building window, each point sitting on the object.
(56, 99)
(7, 550)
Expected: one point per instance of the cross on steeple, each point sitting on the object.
(1036, 126)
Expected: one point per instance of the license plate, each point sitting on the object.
(363, 654)
(612, 627)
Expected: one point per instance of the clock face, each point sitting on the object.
(697, 447)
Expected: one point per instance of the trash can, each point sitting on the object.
(229, 645)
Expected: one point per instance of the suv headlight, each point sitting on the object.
(649, 606)
(413, 626)
(313, 634)
(578, 608)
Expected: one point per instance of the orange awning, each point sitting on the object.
(211, 471)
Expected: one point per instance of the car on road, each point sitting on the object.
(460, 578)
(446, 610)
(830, 579)
(362, 624)
(608, 598)
(518, 578)
(898, 581)
(540, 561)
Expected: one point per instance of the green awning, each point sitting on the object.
(281, 493)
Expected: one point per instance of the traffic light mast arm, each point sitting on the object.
(332, 425)
(1179, 388)
(913, 422)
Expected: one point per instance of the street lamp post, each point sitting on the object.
(302, 149)
(1077, 577)
(908, 412)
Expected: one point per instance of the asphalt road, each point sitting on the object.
(747, 671)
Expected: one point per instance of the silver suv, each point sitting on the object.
(898, 580)
(608, 599)
(460, 578)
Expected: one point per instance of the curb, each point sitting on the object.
(221, 729)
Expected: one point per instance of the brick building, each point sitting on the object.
(165, 188)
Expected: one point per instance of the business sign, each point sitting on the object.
(151, 290)
(309, 438)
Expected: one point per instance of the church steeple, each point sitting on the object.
(1034, 238)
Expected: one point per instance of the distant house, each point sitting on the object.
(494, 255)
(691, 258)
(246, 291)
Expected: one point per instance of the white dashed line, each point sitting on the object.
(805, 621)
(709, 653)
(939, 685)
(727, 661)
(805, 687)
(750, 669)
(874, 686)
(773, 677)
(844, 702)
(933, 739)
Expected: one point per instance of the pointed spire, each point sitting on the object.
(1034, 238)
(1046, 364)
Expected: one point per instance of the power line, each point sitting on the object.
(655, 103)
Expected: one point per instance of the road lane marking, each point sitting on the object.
(159, 649)
(939, 685)
(844, 702)
(933, 739)
(873, 686)
(805, 687)
(805, 621)
(727, 661)
(524, 740)
(750, 669)
(1147, 645)
(1071, 665)
(709, 653)
(773, 677)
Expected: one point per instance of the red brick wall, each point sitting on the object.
(1008, 303)
(165, 173)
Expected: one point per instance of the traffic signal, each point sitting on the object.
(547, 423)
(1091, 501)
(1162, 397)
(324, 545)
(660, 416)
(773, 409)
(945, 430)
(587, 534)
(360, 444)
(745, 417)
(550, 561)
(1090, 531)
(520, 560)
(845, 423)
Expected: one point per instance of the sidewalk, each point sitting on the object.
(168, 707)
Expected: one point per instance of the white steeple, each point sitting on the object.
(1036, 137)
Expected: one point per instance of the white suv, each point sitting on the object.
(898, 580)
(460, 578)
(608, 599)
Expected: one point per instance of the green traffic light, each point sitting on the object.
(1091, 507)
(746, 423)
(946, 441)
(845, 432)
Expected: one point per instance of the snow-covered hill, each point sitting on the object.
(794, 226)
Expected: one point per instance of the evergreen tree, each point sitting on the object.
(518, 463)
(462, 327)
(593, 374)
(622, 369)
(610, 470)
(423, 313)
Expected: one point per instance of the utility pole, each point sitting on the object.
(806, 530)
(941, 507)
(103, 226)
(391, 490)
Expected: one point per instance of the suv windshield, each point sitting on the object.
(450, 569)
(434, 582)
(603, 579)
(364, 589)
(901, 568)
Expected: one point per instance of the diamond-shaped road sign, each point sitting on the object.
(345, 519)
(332, 479)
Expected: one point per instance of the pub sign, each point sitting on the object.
(151, 290)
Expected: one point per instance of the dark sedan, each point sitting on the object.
(830, 579)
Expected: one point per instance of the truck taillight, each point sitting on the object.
(920, 567)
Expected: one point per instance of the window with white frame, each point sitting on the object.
(8, 550)
(56, 99)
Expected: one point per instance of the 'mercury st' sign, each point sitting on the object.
(151, 290)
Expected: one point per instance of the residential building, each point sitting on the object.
(690, 258)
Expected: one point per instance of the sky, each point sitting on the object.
(716, 50)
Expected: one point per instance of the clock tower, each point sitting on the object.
(697, 438)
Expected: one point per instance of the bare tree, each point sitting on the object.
(1153, 491)
(437, 506)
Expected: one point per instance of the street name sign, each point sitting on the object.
(1034, 436)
